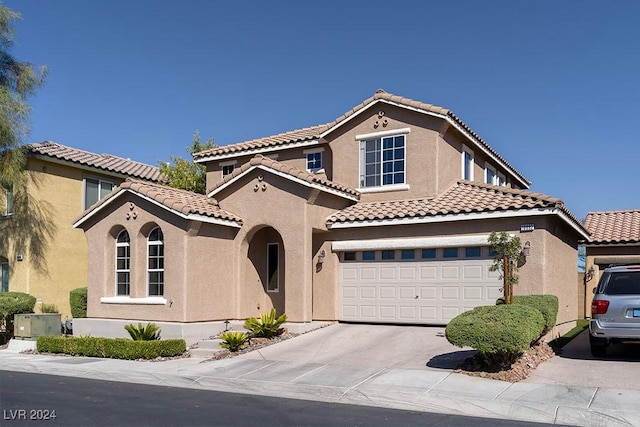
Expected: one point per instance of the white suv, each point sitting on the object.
(615, 310)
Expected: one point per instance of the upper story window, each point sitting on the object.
(155, 263)
(314, 162)
(467, 163)
(8, 202)
(123, 263)
(95, 189)
(227, 168)
(493, 177)
(382, 161)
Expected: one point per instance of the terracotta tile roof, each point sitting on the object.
(316, 132)
(185, 202)
(614, 226)
(260, 160)
(106, 162)
(281, 139)
(463, 197)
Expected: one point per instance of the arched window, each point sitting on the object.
(155, 262)
(123, 263)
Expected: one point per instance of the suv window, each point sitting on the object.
(622, 283)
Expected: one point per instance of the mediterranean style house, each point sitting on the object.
(40, 251)
(382, 216)
(615, 239)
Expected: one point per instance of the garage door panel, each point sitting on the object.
(385, 291)
(388, 292)
(407, 293)
(408, 273)
(450, 292)
(450, 272)
(387, 273)
(428, 273)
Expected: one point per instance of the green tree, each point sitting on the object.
(184, 173)
(18, 81)
(30, 227)
(507, 254)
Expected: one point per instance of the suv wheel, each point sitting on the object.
(598, 346)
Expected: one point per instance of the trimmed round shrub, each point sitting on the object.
(497, 328)
(12, 303)
(78, 302)
(547, 304)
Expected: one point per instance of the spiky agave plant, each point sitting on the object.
(139, 332)
(267, 326)
(233, 340)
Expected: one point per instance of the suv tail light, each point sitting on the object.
(599, 306)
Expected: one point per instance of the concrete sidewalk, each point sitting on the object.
(422, 389)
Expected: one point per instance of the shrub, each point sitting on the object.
(267, 326)
(12, 303)
(547, 304)
(149, 332)
(78, 302)
(49, 308)
(233, 340)
(115, 348)
(499, 333)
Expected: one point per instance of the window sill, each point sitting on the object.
(384, 188)
(7, 216)
(134, 301)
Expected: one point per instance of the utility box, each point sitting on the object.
(31, 326)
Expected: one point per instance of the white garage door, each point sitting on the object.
(416, 291)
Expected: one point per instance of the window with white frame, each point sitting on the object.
(4, 275)
(227, 168)
(382, 161)
(123, 264)
(467, 163)
(155, 263)
(500, 179)
(489, 174)
(314, 160)
(95, 189)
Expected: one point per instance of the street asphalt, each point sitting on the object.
(397, 367)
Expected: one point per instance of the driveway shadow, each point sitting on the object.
(579, 349)
(450, 361)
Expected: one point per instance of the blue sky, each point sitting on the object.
(553, 86)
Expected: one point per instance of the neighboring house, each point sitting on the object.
(615, 239)
(62, 183)
(382, 215)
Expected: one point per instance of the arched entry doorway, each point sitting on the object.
(4, 274)
(265, 278)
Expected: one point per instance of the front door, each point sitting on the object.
(4, 276)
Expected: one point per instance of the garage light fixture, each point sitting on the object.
(321, 256)
(527, 248)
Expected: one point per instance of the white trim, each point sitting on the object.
(385, 188)
(487, 168)
(136, 301)
(383, 133)
(313, 150)
(257, 151)
(411, 243)
(194, 217)
(466, 150)
(158, 243)
(362, 152)
(449, 120)
(289, 177)
(122, 245)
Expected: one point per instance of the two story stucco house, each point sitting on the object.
(380, 216)
(41, 253)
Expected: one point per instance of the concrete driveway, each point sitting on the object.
(575, 366)
(372, 346)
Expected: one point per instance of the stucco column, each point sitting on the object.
(298, 277)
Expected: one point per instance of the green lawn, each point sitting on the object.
(581, 325)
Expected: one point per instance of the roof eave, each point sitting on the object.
(261, 150)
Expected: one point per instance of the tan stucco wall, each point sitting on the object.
(199, 264)
(60, 189)
(433, 154)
